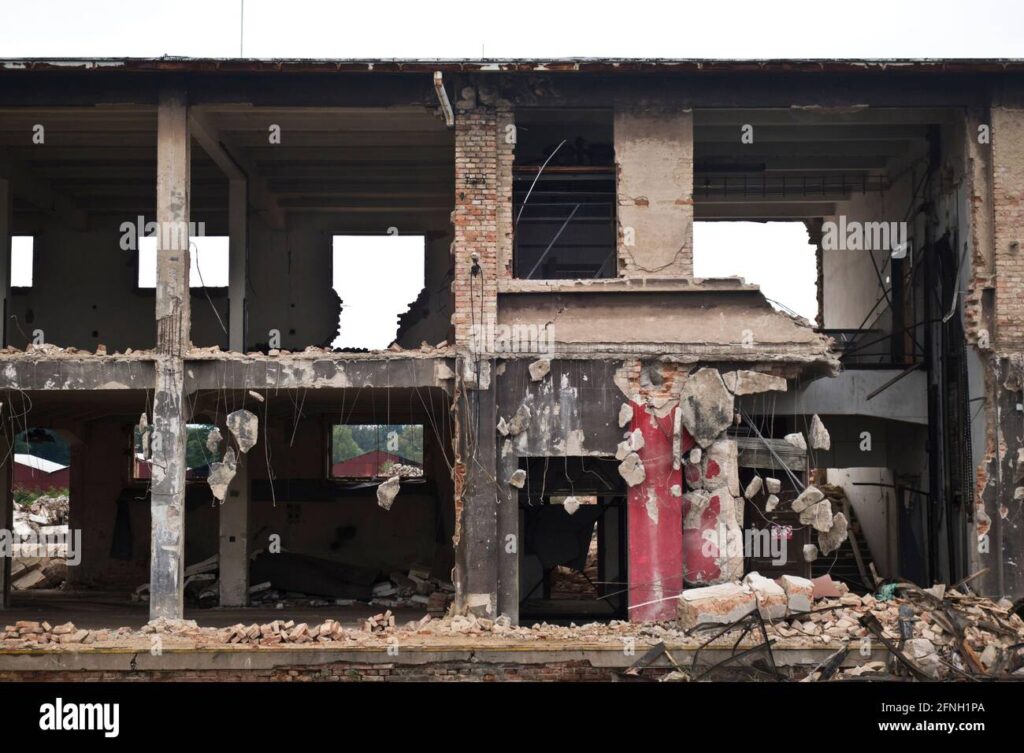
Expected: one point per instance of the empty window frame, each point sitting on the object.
(564, 194)
(376, 277)
(22, 261)
(209, 256)
(376, 450)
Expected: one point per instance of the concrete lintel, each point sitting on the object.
(97, 373)
(283, 372)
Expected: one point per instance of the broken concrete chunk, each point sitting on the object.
(220, 475)
(387, 491)
(721, 604)
(753, 488)
(244, 425)
(520, 421)
(442, 372)
(213, 440)
(518, 478)
(540, 369)
(503, 426)
(799, 593)
(571, 505)
(772, 503)
(820, 439)
(771, 599)
(773, 485)
(809, 496)
(797, 440)
(695, 455)
(830, 540)
(810, 553)
(706, 405)
(753, 382)
(632, 469)
(818, 515)
(625, 415)
(633, 443)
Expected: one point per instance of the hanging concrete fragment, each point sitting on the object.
(772, 503)
(632, 469)
(753, 382)
(520, 421)
(809, 496)
(540, 369)
(571, 505)
(820, 439)
(245, 426)
(753, 488)
(213, 440)
(625, 415)
(518, 478)
(222, 473)
(706, 405)
(830, 540)
(810, 553)
(633, 443)
(387, 491)
(773, 485)
(797, 440)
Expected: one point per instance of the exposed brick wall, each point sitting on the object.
(574, 671)
(1008, 198)
(483, 206)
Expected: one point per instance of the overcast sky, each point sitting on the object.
(526, 28)
(775, 256)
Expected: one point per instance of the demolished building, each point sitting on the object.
(569, 379)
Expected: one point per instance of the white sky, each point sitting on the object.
(781, 263)
(377, 278)
(527, 28)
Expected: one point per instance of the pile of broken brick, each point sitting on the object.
(32, 634)
(926, 634)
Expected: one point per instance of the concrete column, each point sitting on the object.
(477, 590)
(234, 539)
(654, 157)
(6, 513)
(655, 523)
(237, 266)
(167, 551)
(6, 217)
(508, 526)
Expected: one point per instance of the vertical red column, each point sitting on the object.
(655, 521)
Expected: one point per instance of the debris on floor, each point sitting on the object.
(40, 549)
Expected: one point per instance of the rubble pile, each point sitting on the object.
(31, 634)
(41, 560)
(935, 633)
(414, 589)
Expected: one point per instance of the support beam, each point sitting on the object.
(478, 590)
(234, 539)
(236, 167)
(167, 552)
(238, 213)
(6, 216)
